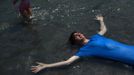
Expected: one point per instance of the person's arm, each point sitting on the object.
(103, 28)
(41, 66)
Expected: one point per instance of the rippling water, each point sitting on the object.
(45, 39)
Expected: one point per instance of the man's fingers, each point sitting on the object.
(34, 71)
(34, 68)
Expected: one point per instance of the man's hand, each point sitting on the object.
(103, 28)
(99, 17)
(39, 67)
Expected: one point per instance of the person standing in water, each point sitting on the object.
(24, 9)
(96, 46)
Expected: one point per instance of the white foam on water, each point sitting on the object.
(4, 26)
(39, 14)
(74, 67)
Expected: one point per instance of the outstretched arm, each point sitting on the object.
(41, 66)
(103, 28)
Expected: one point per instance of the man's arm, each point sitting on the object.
(103, 28)
(41, 66)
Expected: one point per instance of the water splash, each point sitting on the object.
(4, 26)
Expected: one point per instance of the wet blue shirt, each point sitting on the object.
(101, 46)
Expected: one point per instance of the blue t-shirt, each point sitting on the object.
(101, 46)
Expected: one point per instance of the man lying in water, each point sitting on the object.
(96, 45)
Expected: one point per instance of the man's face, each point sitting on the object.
(78, 36)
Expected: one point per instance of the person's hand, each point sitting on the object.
(38, 68)
(99, 17)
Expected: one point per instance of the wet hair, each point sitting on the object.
(72, 40)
